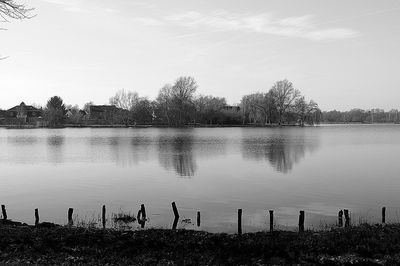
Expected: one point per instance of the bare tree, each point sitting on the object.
(284, 95)
(9, 9)
(175, 104)
(125, 100)
(208, 109)
(251, 108)
(183, 97)
(304, 110)
(164, 102)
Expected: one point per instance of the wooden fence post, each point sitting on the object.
(340, 218)
(384, 215)
(271, 220)
(143, 212)
(3, 210)
(175, 210)
(239, 221)
(176, 214)
(36, 217)
(346, 218)
(103, 216)
(198, 219)
(70, 212)
(301, 221)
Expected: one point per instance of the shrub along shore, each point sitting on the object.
(48, 244)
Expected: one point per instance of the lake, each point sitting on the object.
(318, 169)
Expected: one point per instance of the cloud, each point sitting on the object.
(298, 26)
(68, 5)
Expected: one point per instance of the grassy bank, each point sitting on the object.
(371, 244)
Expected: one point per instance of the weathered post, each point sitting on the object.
(176, 214)
(140, 218)
(143, 209)
(271, 220)
(175, 210)
(103, 216)
(3, 210)
(340, 218)
(70, 212)
(36, 217)
(384, 215)
(175, 224)
(239, 221)
(346, 218)
(301, 221)
(198, 219)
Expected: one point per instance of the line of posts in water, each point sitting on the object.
(141, 217)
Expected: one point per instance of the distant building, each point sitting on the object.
(22, 114)
(3, 115)
(102, 112)
(69, 113)
(83, 113)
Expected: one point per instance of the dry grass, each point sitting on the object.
(372, 244)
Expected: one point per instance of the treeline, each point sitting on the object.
(179, 104)
(282, 104)
(361, 116)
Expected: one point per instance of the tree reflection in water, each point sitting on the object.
(283, 151)
(125, 151)
(55, 144)
(176, 153)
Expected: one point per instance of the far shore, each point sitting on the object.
(186, 126)
(150, 126)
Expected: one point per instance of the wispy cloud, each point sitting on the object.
(300, 26)
(68, 5)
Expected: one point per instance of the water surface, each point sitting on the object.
(214, 170)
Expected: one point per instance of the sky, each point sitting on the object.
(342, 54)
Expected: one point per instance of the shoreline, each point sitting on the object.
(185, 126)
(150, 126)
(63, 245)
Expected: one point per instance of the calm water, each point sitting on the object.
(214, 170)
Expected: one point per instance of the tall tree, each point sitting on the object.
(55, 111)
(284, 96)
(164, 104)
(126, 102)
(182, 98)
(305, 110)
(143, 111)
(209, 109)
